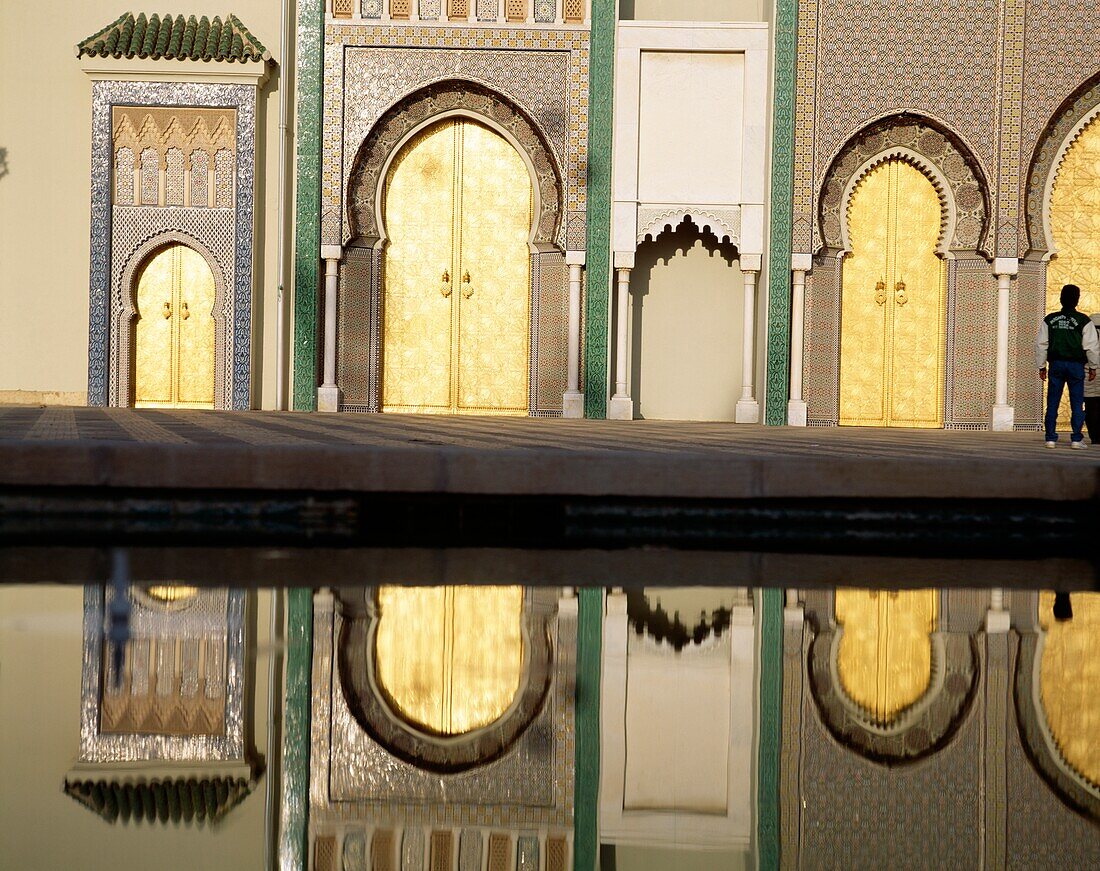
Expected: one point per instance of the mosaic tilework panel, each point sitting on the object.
(1063, 42)
(821, 350)
(487, 10)
(545, 72)
(803, 224)
(355, 851)
(412, 850)
(430, 10)
(354, 325)
(903, 56)
(1008, 130)
(972, 342)
(1025, 391)
(927, 814)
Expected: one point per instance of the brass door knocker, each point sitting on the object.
(186, 312)
(900, 296)
(467, 288)
(445, 287)
(167, 310)
(880, 293)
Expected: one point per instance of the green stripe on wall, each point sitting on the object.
(294, 806)
(307, 215)
(598, 256)
(586, 836)
(769, 724)
(779, 240)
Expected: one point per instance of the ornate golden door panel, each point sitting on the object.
(456, 334)
(885, 655)
(174, 334)
(1075, 228)
(450, 659)
(893, 303)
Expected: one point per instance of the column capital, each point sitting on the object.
(802, 262)
(624, 259)
(332, 252)
(574, 258)
(1006, 266)
(750, 262)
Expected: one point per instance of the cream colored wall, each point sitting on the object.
(45, 128)
(622, 858)
(687, 316)
(694, 10)
(41, 828)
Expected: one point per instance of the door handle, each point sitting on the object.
(900, 296)
(467, 288)
(167, 310)
(445, 287)
(880, 293)
(186, 312)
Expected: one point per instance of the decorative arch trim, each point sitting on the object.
(1035, 734)
(125, 312)
(435, 102)
(940, 155)
(725, 223)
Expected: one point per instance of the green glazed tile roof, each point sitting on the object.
(175, 38)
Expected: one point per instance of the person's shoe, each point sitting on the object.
(1050, 444)
(1063, 607)
(1078, 446)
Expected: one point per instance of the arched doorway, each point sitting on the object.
(893, 302)
(457, 206)
(885, 656)
(1075, 228)
(174, 333)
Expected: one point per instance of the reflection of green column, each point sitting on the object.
(307, 214)
(779, 237)
(294, 805)
(586, 835)
(601, 66)
(768, 726)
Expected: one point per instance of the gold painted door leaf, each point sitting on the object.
(885, 654)
(1075, 228)
(174, 334)
(1069, 675)
(893, 303)
(450, 659)
(458, 205)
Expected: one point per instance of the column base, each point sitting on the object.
(572, 404)
(1003, 418)
(328, 398)
(747, 411)
(620, 408)
(796, 412)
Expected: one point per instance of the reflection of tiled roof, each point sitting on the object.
(188, 798)
(175, 39)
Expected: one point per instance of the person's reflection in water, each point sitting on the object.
(1063, 608)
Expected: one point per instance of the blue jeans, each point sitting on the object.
(1060, 374)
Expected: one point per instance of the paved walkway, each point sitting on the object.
(57, 446)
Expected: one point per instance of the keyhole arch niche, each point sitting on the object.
(198, 377)
(365, 275)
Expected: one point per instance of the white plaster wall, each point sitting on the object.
(656, 859)
(41, 828)
(687, 316)
(694, 10)
(45, 127)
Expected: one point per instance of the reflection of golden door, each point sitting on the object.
(174, 334)
(457, 318)
(1075, 228)
(1069, 680)
(450, 658)
(893, 303)
(885, 655)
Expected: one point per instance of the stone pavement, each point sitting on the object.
(283, 451)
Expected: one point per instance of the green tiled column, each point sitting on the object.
(769, 726)
(307, 215)
(779, 244)
(586, 836)
(294, 806)
(598, 257)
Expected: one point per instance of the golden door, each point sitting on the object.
(893, 303)
(456, 319)
(885, 655)
(174, 334)
(450, 659)
(1075, 228)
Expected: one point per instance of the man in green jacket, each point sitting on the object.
(1067, 342)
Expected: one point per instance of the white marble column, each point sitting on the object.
(328, 394)
(748, 409)
(1004, 415)
(573, 400)
(622, 406)
(796, 404)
